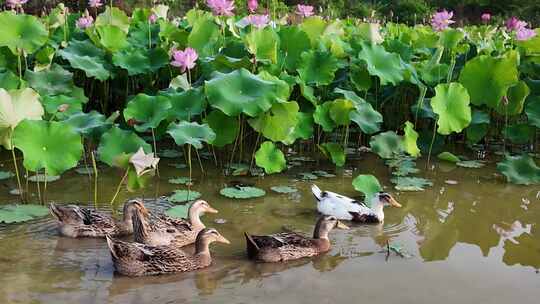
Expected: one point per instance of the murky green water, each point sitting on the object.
(474, 242)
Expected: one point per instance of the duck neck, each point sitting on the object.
(140, 228)
(320, 238)
(377, 207)
(202, 252)
(195, 219)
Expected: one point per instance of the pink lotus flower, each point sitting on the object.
(221, 7)
(524, 33)
(185, 59)
(304, 10)
(441, 20)
(258, 21)
(15, 3)
(514, 24)
(152, 18)
(95, 3)
(85, 21)
(486, 17)
(252, 5)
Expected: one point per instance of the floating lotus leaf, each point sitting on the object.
(113, 16)
(181, 181)
(185, 105)
(240, 92)
(111, 37)
(278, 123)
(293, 42)
(340, 110)
(270, 158)
(334, 152)
(178, 211)
(224, 126)
(303, 128)
(182, 196)
(169, 153)
(322, 117)
(6, 175)
(387, 66)
(242, 192)
(191, 133)
(52, 81)
(283, 189)
(147, 111)
(85, 56)
(22, 32)
(449, 157)
(367, 184)
(532, 109)
(204, 37)
(406, 168)
(487, 79)
(323, 173)
(521, 170)
(53, 146)
(178, 166)
(41, 178)
(410, 183)
(519, 133)
(308, 176)
(387, 144)
(263, 43)
(470, 164)
(451, 103)
(16, 105)
(516, 98)
(92, 124)
(237, 169)
(317, 67)
(117, 142)
(409, 140)
(21, 213)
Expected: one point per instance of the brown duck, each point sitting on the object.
(162, 230)
(74, 221)
(135, 259)
(291, 246)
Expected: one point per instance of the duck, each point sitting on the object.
(288, 246)
(76, 222)
(162, 230)
(346, 208)
(136, 259)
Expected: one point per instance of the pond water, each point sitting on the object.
(477, 241)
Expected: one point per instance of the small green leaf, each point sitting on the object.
(242, 192)
(182, 196)
(21, 213)
(367, 184)
(270, 158)
(409, 140)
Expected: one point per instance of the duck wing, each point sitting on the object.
(164, 222)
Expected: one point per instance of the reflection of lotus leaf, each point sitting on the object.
(242, 192)
(367, 184)
(179, 211)
(181, 196)
(283, 189)
(520, 169)
(470, 164)
(449, 157)
(41, 178)
(21, 213)
(181, 181)
(410, 183)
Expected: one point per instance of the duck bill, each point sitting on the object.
(223, 240)
(394, 203)
(209, 209)
(340, 225)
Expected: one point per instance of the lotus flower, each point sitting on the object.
(15, 3)
(304, 10)
(185, 59)
(441, 20)
(142, 162)
(95, 3)
(152, 18)
(252, 5)
(221, 7)
(85, 21)
(514, 24)
(258, 21)
(486, 17)
(525, 34)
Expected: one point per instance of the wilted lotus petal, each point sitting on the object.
(143, 162)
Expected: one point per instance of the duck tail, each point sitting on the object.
(316, 192)
(110, 244)
(251, 247)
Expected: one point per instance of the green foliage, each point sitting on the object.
(449, 157)
(270, 158)
(334, 152)
(451, 103)
(22, 32)
(147, 111)
(385, 65)
(367, 184)
(242, 192)
(278, 123)
(387, 144)
(21, 213)
(15, 106)
(520, 170)
(182, 196)
(409, 140)
(224, 126)
(85, 56)
(191, 133)
(317, 67)
(117, 143)
(263, 43)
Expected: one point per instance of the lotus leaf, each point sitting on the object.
(368, 119)
(308, 93)
(115, 17)
(516, 96)
(61, 106)
(242, 192)
(181, 181)
(451, 103)
(147, 111)
(53, 146)
(340, 110)
(22, 32)
(317, 67)
(450, 38)
(15, 106)
(182, 196)
(224, 126)
(111, 37)
(293, 42)
(21, 213)
(449, 157)
(283, 189)
(487, 79)
(519, 133)
(410, 183)
(360, 77)
(140, 61)
(334, 152)
(270, 158)
(303, 128)
(323, 173)
(263, 43)
(52, 81)
(322, 117)
(85, 56)
(6, 175)
(283, 88)
(314, 28)
(470, 164)
(387, 144)
(170, 153)
(479, 126)
(191, 133)
(117, 142)
(278, 123)
(185, 105)
(204, 37)
(41, 178)
(387, 66)
(92, 124)
(367, 184)
(520, 170)
(532, 109)
(178, 211)
(8, 80)
(308, 176)
(409, 140)
(370, 32)
(240, 92)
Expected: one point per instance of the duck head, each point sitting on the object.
(325, 224)
(385, 199)
(200, 207)
(134, 206)
(206, 237)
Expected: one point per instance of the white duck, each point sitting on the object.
(345, 208)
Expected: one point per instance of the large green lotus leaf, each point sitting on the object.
(367, 184)
(308, 93)
(182, 196)
(314, 28)
(16, 105)
(263, 43)
(224, 126)
(191, 133)
(340, 110)
(450, 38)
(407, 183)
(532, 109)
(140, 60)
(278, 123)
(112, 37)
(240, 92)
(21, 213)
(317, 67)
(519, 133)
(303, 128)
(322, 117)
(8, 80)
(53, 146)
(204, 37)
(516, 98)
(487, 79)
(449, 157)
(186, 104)
(147, 111)
(53, 104)
(283, 89)
(520, 170)
(479, 126)
(367, 118)
(270, 158)
(242, 192)
(115, 17)
(451, 103)
(387, 66)
(360, 78)
(117, 142)
(409, 140)
(387, 144)
(334, 152)
(52, 81)
(85, 56)
(293, 42)
(22, 32)
(92, 124)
